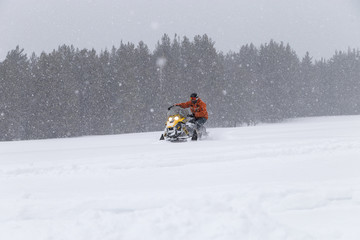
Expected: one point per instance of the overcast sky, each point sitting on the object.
(317, 26)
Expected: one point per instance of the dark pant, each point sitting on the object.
(200, 122)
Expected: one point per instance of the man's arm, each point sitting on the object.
(184, 105)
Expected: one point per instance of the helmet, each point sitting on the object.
(194, 97)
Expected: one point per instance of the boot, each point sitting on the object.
(194, 136)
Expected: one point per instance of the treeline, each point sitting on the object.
(72, 92)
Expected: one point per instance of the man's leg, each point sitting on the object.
(200, 122)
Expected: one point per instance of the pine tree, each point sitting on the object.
(16, 96)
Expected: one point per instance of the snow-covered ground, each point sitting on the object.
(294, 180)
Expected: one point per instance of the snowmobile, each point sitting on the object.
(180, 126)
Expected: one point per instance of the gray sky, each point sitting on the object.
(317, 26)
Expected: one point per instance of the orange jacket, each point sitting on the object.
(198, 109)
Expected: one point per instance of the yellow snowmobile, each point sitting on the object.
(180, 126)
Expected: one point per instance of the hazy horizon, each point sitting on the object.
(320, 26)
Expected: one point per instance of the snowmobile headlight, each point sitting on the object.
(170, 119)
(176, 118)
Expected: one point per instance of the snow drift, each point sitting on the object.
(294, 180)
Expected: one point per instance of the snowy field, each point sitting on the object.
(293, 180)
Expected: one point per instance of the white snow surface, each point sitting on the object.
(294, 180)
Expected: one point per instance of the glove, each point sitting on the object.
(170, 107)
(191, 115)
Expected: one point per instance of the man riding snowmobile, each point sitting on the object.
(198, 109)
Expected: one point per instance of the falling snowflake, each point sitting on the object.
(154, 25)
(161, 62)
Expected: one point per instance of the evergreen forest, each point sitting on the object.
(76, 92)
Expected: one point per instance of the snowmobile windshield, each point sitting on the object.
(176, 110)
